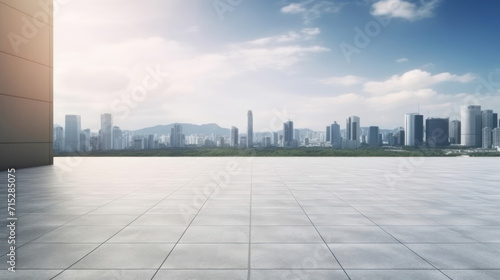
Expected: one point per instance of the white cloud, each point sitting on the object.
(312, 9)
(414, 80)
(404, 9)
(293, 8)
(401, 60)
(311, 31)
(347, 81)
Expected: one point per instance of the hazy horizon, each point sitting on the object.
(312, 61)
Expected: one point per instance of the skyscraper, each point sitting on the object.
(336, 138)
(373, 136)
(471, 126)
(495, 120)
(437, 132)
(328, 133)
(486, 138)
(414, 129)
(296, 137)
(117, 138)
(72, 133)
(233, 142)
(106, 132)
(288, 134)
(353, 130)
(176, 137)
(495, 141)
(58, 139)
(455, 132)
(487, 119)
(249, 129)
(275, 139)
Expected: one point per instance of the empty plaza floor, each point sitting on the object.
(255, 218)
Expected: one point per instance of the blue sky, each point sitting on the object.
(314, 61)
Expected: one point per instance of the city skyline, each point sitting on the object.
(305, 60)
(477, 128)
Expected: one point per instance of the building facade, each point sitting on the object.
(414, 129)
(26, 99)
(471, 126)
(437, 132)
(249, 129)
(455, 132)
(72, 133)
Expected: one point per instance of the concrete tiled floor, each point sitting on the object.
(257, 218)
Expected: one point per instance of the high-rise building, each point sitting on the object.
(276, 139)
(249, 129)
(455, 132)
(353, 130)
(106, 136)
(176, 137)
(117, 138)
(495, 120)
(328, 133)
(486, 119)
(414, 129)
(233, 142)
(486, 138)
(336, 138)
(471, 126)
(85, 141)
(437, 132)
(373, 136)
(58, 139)
(267, 141)
(243, 141)
(72, 133)
(151, 142)
(495, 139)
(296, 136)
(288, 134)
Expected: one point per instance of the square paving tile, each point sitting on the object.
(79, 234)
(208, 256)
(459, 256)
(396, 274)
(201, 274)
(216, 234)
(106, 274)
(125, 256)
(377, 256)
(355, 234)
(297, 274)
(292, 256)
(285, 234)
(148, 234)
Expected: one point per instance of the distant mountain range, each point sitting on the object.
(207, 129)
(187, 129)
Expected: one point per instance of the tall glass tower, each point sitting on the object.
(249, 129)
(106, 132)
(471, 126)
(414, 129)
(72, 133)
